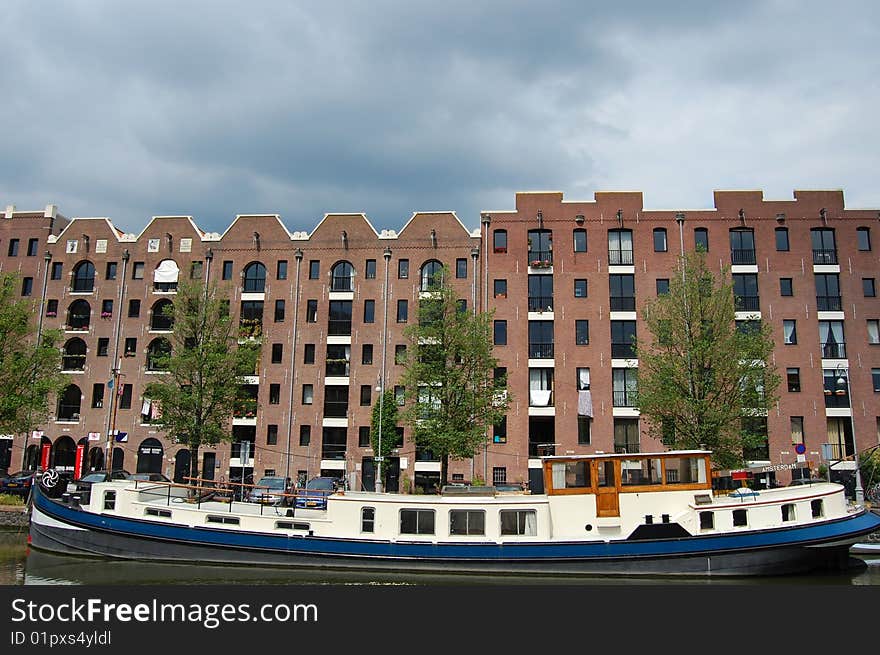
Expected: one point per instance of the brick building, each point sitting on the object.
(566, 280)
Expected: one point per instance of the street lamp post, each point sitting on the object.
(843, 384)
(379, 457)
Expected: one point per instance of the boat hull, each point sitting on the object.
(58, 528)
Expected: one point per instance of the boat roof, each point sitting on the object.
(665, 453)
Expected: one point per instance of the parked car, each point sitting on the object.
(17, 483)
(82, 486)
(269, 490)
(150, 477)
(314, 496)
(805, 481)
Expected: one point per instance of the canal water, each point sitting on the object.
(20, 565)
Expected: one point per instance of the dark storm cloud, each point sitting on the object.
(212, 109)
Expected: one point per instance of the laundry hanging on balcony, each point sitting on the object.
(585, 403)
(539, 397)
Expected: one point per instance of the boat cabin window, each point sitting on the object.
(571, 475)
(640, 472)
(788, 512)
(368, 519)
(519, 521)
(110, 500)
(467, 521)
(417, 521)
(225, 520)
(155, 511)
(740, 518)
(605, 473)
(816, 507)
(685, 470)
(707, 520)
(290, 525)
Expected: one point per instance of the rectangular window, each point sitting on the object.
(106, 308)
(137, 271)
(793, 375)
(110, 500)
(873, 331)
(227, 270)
(110, 272)
(583, 430)
(98, 395)
(740, 518)
(130, 346)
(868, 287)
(274, 394)
(789, 331)
(580, 240)
(27, 286)
(103, 346)
(499, 431)
(623, 338)
(701, 238)
(499, 334)
(622, 289)
(33, 244)
(402, 311)
(271, 434)
(499, 475)
(499, 288)
(875, 378)
(782, 239)
(399, 354)
(364, 436)
(13, 248)
(399, 394)
(467, 522)
(796, 424)
(195, 270)
(864, 238)
(305, 435)
(707, 520)
(368, 519)
(828, 292)
(367, 353)
(785, 287)
(788, 512)
(277, 352)
(279, 311)
(660, 239)
(403, 269)
(816, 508)
(582, 332)
(134, 308)
(580, 288)
(416, 521)
(662, 286)
(370, 269)
(125, 398)
(309, 353)
(57, 267)
(461, 268)
(499, 241)
(311, 311)
(366, 395)
(519, 522)
(314, 269)
(308, 394)
(369, 311)
(281, 270)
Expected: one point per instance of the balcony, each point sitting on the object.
(332, 451)
(622, 350)
(824, 256)
(623, 303)
(740, 256)
(341, 283)
(748, 303)
(620, 257)
(540, 398)
(250, 328)
(337, 368)
(624, 399)
(541, 303)
(541, 449)
(828, 303)
(626, 448)
(337, 327)
(538, 350)
(540, 258)
(833, 350)
(336, 409)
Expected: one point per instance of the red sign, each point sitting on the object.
(44, 456)
(78, 466)
(739, 475)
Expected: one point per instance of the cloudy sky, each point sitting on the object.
(211, 109)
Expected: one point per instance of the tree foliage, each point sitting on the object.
(703, 382)
(388, 405)
(452, 395)
(202, 383)
(29, 371)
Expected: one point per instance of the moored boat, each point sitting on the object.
(633, 514)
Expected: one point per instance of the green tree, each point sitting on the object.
(703, 381)
(201, 386)
(388, 405)
(451, 391)
(29, 371)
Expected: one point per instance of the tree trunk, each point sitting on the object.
(194, 460)
(444, 470)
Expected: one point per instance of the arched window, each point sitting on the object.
(156, 351)
(254, 278)
(342, 277)
(64, 453)
(69, 403)
(78, 315)
(432, 275)
(149, 459)
(74, 357)
(83, 279)
(161, 317)
(165, 276)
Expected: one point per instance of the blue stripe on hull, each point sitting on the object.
(828, 532)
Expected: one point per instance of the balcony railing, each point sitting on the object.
(68, 412)
(332, 451)
(836, 398)
(833, 351)
(337, 368)
(540, 258)
(622, 350)
(623, 303)
(624, 399)
(339, 327)
(748, 303)
(335, 409)
(828, 303)
(73, 362)
(742, 256)
(341, 283)
(541, 303)
(541, 350)
(541, 449)
(540, 398)
(626, 448)
(162, 322)
(620, 257)
(824, 256)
